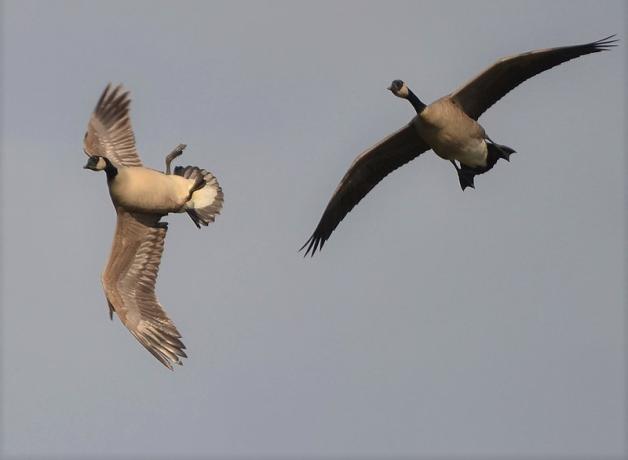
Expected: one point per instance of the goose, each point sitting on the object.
(448, 126)
(141, 197)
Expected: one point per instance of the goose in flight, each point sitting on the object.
(448, 126)
(141, 197)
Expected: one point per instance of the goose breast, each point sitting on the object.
(149, 191)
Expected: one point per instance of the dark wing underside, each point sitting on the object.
(477, 95)
(129, 284)
(109, 132)
(365, 172)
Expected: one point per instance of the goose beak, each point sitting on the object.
(389, 88)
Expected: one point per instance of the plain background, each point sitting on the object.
(435, 323)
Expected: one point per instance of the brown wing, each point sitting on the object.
(129, 284)
(477, 95)
(364, 173)
(109, 132)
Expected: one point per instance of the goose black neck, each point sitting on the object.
(110, 170)
(416, 102)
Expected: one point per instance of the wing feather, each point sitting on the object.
(129, 283)
(485, 89)
(366, 171)
(109, 132)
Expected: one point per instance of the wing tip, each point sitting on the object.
(606, 43)
(113, 101)
(164, 346)
(314, 243)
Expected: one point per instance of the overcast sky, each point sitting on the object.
(434, 322)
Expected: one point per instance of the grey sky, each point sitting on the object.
(434, 322)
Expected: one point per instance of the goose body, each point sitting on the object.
(451, 134)
(448, 126)
(141, 197)
(146, 190)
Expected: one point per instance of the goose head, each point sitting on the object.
(399, 89)
(100, 163)
(96, 163)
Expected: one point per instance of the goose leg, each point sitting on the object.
(178, 150)
(465, 176)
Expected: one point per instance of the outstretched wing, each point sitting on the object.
(365, 172)
(109, 132)
(477, 95)
(129, 284)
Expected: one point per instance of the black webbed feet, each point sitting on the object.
(465, 176)
(504, 152)
(497, 151)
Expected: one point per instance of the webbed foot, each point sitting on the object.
(466, 178)
(504, 152)
(498, 151)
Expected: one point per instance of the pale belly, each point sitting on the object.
(149, 191)
(452, 135)
(469, 151)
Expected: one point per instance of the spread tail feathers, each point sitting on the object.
(206, 201)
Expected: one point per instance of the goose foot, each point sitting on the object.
(466, 179)
(178, 150)
(498, 150)
(465, 176)
(504, 152)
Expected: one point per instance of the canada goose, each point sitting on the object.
(142, 196)
(448, 126)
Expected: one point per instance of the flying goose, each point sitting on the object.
(141, 197)
(448, 126)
